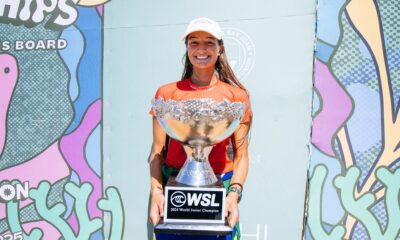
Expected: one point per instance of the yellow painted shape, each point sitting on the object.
(364, 15)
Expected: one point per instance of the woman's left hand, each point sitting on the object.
(232, 209)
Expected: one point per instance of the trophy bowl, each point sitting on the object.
(198, 124)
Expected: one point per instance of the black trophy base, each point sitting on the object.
(193, 229)
(183, 216)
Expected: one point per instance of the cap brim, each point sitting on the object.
(216, 36)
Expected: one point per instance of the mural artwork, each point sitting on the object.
(354, 177)
(50, 123)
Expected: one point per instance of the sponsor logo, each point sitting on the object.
(178, 199)
(33, 12)
(13, 192)
(240, 51)
(203, 199)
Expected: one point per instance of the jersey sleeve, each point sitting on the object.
(159, 93)
(248, 113)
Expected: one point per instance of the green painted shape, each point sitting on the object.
(81, 194)
(113, 204)
(358, 208)
(392, 183)
(314, 219)
(15, 224)
(51, 215)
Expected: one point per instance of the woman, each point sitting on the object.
(206, 74)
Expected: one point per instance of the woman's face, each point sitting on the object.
(203, 50)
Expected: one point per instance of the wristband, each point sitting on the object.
(235, 190)
(233, 184)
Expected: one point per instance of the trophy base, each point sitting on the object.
(194, 210)
(191, 229)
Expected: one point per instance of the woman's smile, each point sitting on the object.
(202, 59)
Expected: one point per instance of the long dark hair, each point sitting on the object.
(223, 69)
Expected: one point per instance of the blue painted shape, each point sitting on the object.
(393, 56)
(71, 55)
(97, 235)
(89, 70)
(364, 50)
(69, 200)
(328, 20)
(323, 51)
(308, 234)
(315, 103)
(332, 211)
(93, 150)
(364, 126)
(363, 73)
(75, 178)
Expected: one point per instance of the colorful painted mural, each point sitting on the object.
(354, 177)
(50, 122)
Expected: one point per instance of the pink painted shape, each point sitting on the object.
(48, 166)
(73, 222)
(100, 10)
(8, 81)
(72, 147)
(49, 232)
(336, 108)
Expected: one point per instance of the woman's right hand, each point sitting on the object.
(157, 206)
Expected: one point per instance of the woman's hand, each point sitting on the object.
(232, 209)
(157, 206)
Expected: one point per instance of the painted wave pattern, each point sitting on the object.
(355, 152)
(50, 115)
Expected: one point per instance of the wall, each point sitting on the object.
(354, 174)
(50, 122)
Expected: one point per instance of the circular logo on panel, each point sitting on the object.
(240, 51)
(178, 199)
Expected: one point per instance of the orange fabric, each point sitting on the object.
(219, 91)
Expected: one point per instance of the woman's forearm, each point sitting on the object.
(240, 169)
(155, 172)
(156, 157)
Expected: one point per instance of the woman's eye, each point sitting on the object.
(194, 43)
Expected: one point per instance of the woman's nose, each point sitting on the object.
(202, 46)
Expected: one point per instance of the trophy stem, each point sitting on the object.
(197, 170)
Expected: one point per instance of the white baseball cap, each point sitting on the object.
(204, 25)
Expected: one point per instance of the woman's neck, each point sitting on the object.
(203, 78)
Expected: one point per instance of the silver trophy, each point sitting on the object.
(195, 197)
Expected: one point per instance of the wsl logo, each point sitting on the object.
(32, 12)
(178, 199)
